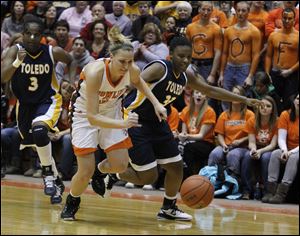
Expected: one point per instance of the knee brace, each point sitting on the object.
(40, 135)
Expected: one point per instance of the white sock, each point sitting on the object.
(45, 154)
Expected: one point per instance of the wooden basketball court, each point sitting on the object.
(26, 210)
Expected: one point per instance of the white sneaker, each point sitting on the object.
(129, 185)
(148, 187)
(173, 213)
(49, 188)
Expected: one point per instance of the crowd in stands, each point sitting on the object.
(247, 47)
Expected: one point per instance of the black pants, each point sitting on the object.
(196, 155)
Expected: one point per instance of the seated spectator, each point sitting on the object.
(232, 137)
(197, 134)
(77, 17)
(62, 37)
(49, 22)
(262, 134)
(98, 47)
(164, 9)
(81, 57)
(14, 23)
(150, 46)
(263, 87)
(143, 18)
(98, 13)
(119, 18)
(169, 30)
(287, 154)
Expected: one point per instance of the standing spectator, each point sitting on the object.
(240, 55)
(282, 59)
(98, 47)
(197, 135)
(184, 11)
(206, 38)
(119, 18)
(262, 134)
(98, 13)
(232, 137)
(169, 30)
(288, 154)
(14, 23)
(77, 17)
(225, 6)
(274, 21)
(150, 47)
(81, 57)
(144, 18)
(62, 37)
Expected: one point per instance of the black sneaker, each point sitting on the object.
(70, 209)
(173, 213)
(60, 188)
(97, 182)
(109, 181)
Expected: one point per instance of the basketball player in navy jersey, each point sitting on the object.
(30, 67)
(153, 142)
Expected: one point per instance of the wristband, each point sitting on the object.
(17, 63)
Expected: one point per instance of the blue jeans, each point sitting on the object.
(234, 75)
(248, 166)
(10, 142)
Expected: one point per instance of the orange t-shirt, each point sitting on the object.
(274, 20)
(291, 127)
(173, 119)
(233, 127)
(209, 117)
(284, 49)
(264, 135)
(217, 16)
(241, 44)
(204, 39)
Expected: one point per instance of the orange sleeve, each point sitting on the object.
(173, 119)
(209, 116)
(283, 120)
(220, 125)
(250, 126)
(184, 116)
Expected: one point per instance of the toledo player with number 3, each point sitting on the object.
(30, 67)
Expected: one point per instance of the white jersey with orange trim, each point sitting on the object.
(109, 92)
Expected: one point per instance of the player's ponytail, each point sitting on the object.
(118, 41)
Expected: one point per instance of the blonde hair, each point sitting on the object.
(200, 112)
(118, 40)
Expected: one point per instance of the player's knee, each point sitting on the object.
(40, 135)
(148, 177)
(120, 167)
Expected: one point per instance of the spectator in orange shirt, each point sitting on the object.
(282, 59)
(288, 154)
(232, 138)
(262, 134)
(240, 54)
(274, 20)
(217, 17)
(197, 135)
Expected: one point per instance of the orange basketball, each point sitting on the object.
(197, 192)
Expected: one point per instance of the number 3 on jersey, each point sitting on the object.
(168, 100)
(33, 84)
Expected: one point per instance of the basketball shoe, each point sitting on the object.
(71, 207)
(49, 181)
(109, 181)
(97, 182)
(60, 188)
(173, 213)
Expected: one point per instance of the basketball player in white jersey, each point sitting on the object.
(97, 116)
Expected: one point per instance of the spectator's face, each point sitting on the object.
(122, 60)
(78, 48)
(242, 12)
(98, 12)
(81, 6)
(205, 11)
(170, 24)
(225, 6)
(61, 33)
(258, 4)
(19, 8)
(260, 88)
(150, 38)
(289, 4)
(51, 13)
(183, 13)
(198, 97)
(99, 31)
(144, 9)
(181, 57)
(118, 8)
(288, 20)
(32, 37)
(296, 103)
(266, 109)
(236, 91)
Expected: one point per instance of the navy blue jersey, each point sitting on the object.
(34, 82)
(166, 90)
